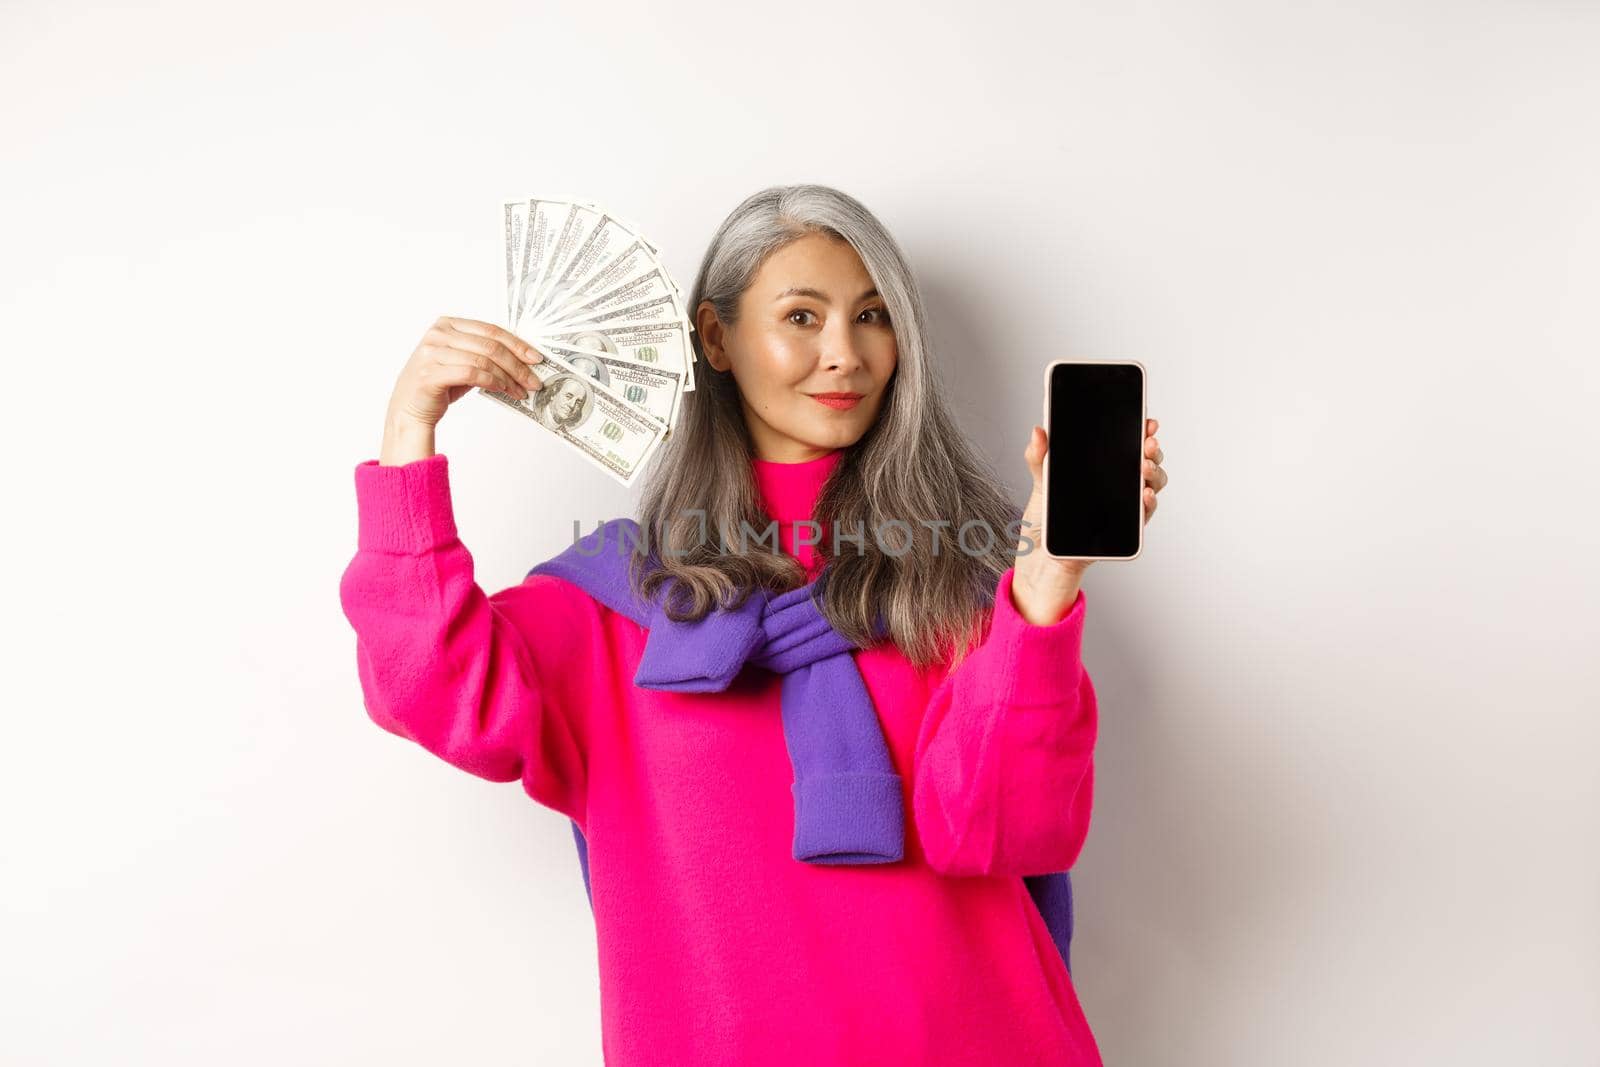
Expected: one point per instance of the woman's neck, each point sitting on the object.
(789, 494)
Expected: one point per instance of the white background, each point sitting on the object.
(1346, 807)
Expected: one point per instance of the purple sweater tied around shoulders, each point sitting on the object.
(848, 805)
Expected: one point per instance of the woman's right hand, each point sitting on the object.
(453, 357)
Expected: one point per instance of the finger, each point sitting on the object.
(469, 368)
(464, 376)
(483, 342)
(517, 345)
(488, 347)
(462, 368)
(1038, 444)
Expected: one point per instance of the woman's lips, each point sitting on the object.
(840, 401)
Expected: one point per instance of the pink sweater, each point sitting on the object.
(715, 945)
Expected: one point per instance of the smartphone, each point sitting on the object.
(1094, 412)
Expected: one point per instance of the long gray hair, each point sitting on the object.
(913, 464)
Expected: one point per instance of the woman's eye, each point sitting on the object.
(881, 313)
(797, 311)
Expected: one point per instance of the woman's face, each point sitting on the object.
(810, 323)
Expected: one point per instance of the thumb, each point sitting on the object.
(1038, 443)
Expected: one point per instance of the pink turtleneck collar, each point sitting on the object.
(789, 493)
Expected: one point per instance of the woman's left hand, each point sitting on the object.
(1043, 587)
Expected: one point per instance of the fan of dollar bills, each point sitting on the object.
(588, 290)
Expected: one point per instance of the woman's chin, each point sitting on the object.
(832, 433)
(825, 429)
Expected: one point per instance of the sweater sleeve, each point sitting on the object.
(477, 680)
(1004, 765)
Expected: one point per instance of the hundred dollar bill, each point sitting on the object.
(651, 285)
(632, 261)
(636, 256)
(652, 249)
(633, 275)
(634, 228)
(656, 309)
(660, 344)
(653, 390)
(572, 230)
(596, 235)
(546, 216)
(516, 223)
(598, 245)
(609, 432)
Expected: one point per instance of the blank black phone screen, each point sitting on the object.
(1096, 480)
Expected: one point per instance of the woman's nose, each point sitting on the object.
(839, 349)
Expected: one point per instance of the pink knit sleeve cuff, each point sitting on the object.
(404, 509)
(1042, 663)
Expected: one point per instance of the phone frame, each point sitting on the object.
(1144, 419)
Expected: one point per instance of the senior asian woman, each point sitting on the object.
(772, 882)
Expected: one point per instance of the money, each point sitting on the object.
(661, 344)
(646, 288)
(614, 434)
(654, 390)
(591, 292)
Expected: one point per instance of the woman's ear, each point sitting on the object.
(711, 339)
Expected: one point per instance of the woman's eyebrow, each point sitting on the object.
(818, 294)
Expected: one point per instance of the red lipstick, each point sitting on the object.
(840, 401)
